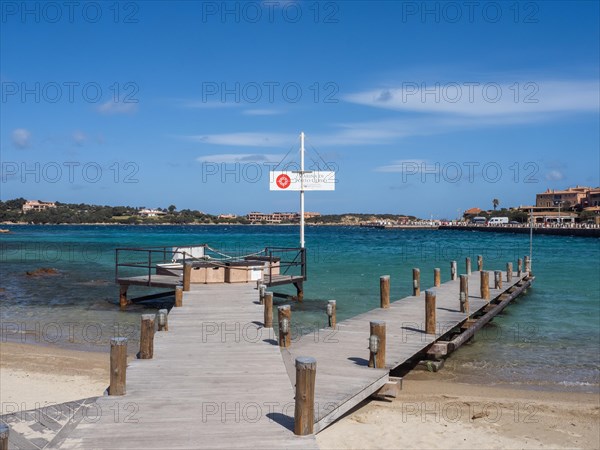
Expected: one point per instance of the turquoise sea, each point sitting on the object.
(547, 339)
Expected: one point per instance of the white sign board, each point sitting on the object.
(313, 181)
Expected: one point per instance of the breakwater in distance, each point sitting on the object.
(553, 231)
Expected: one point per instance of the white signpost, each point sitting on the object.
(302, 180)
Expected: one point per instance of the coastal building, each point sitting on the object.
(279, 217)
(274, 217)
(151, 213)
(592, 198)
(227, 216)
(37, 205)
(571, 197)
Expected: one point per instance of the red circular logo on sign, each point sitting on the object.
(283, 181)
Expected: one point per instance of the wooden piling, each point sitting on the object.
(262, 288)
(163, 320)
(509, 272)
(519, 267)
(479, 263)
(147, 336)
(485, 285)
(416, 282)
(384, 291)
(527, 265)
(123, 301)
(464, 294)
(268, 320)
(304, 411)
(4, 431)
(118, 366)
(430, 311)
(437, 277)
(497, 279)
(453, 270)
(178, 296)
(377, 329)
(331, 312)
(468, 265)
(187, 276)
(284, 316)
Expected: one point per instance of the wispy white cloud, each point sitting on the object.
(21, 138)
(486, 99)
(79, 138)
(262, 112)
(228, 158)
(252, 139)
(212, 104)
(555, 175)
(404, 166)
(111, 107)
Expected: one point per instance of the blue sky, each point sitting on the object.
(421, 108)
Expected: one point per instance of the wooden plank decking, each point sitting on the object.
(343, 378)
(217, 380)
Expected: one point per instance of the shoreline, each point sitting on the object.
(429, 412)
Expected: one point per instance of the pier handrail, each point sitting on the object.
(299, 259)
(151, 257)
(148, 261)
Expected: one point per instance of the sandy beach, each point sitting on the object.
(429, 413)
(33, 376)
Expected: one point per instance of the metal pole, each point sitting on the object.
(302, 189)
(530, 234)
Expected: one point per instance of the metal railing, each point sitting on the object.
(150, 257)
(298, 260)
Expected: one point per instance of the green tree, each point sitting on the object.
(495, 202)
(172, 209)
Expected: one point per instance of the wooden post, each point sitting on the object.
(268, 320)
(464, 294)
(299, 290)
(416, 282)
(509, 272)
(331, 307)
(304, 411)
(519, 267)
(4, 431)
(485, 285)
(498, 279)
(187, 276)
(479, 263)
(178, 296)
(453, 270)
(123, 301)
(147, 336)
(437, 277)
(262, 288)
(118, 366)
(163, 320)
(384, 291)
(430, 311)
(284, 316)
(377, 349)
(468, 265)
(527, 265)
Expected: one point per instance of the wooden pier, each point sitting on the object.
(172, 267)
(220, 378)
